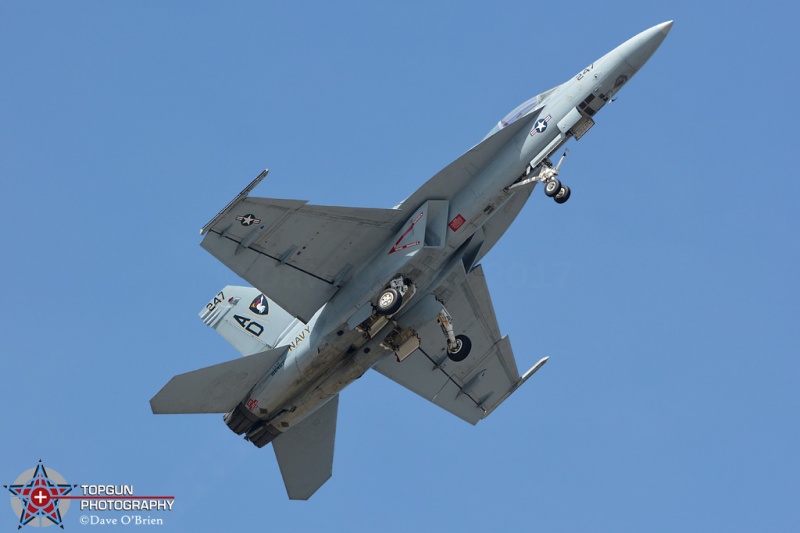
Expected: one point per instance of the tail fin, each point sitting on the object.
(214, 389)
(247, 319)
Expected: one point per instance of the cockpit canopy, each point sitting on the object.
(521, 110)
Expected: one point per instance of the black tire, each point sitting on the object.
(563, 195)
(551, 187)
(389, 302)
(464, 346)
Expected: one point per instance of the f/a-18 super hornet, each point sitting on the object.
(339, 290)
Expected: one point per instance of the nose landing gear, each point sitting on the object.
(562, 195)
(553, 188)
(546, 173)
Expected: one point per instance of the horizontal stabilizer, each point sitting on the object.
(305, 451)
(216, 388)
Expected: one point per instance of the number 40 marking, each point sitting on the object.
(250, 325)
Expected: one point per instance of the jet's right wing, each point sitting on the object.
(470, 389)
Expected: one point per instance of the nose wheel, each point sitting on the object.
(562, 195)
(552, 187)
(555, 190)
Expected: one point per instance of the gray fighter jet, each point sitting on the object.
(339, 290)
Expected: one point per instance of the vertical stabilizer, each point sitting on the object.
(247, 319)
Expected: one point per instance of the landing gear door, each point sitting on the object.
(571, 119)
(576, 123)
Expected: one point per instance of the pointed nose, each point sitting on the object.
(638, 49)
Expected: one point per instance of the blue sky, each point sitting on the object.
(665, 291)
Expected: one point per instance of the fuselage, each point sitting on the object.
(329, 352)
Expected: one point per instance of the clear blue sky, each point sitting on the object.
(666, 291)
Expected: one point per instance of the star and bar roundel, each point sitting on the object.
(541, 125)
(39, 496)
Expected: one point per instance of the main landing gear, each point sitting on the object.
(391, 299)
(458, 346)
(403, 342)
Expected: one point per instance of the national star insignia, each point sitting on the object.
(248, 220)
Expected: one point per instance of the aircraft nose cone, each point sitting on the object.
(638, 49)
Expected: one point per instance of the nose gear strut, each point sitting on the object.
(546, 173)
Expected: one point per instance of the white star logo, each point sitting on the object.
(541, 125)
(248, 220)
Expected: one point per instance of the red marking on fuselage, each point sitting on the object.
(396, 247)
(456, 223)
(409, 245)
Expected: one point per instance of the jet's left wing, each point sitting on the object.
(297, 254)
(470, 389)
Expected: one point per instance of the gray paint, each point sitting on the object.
(326, 266)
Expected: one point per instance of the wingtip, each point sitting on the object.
(534, 368)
